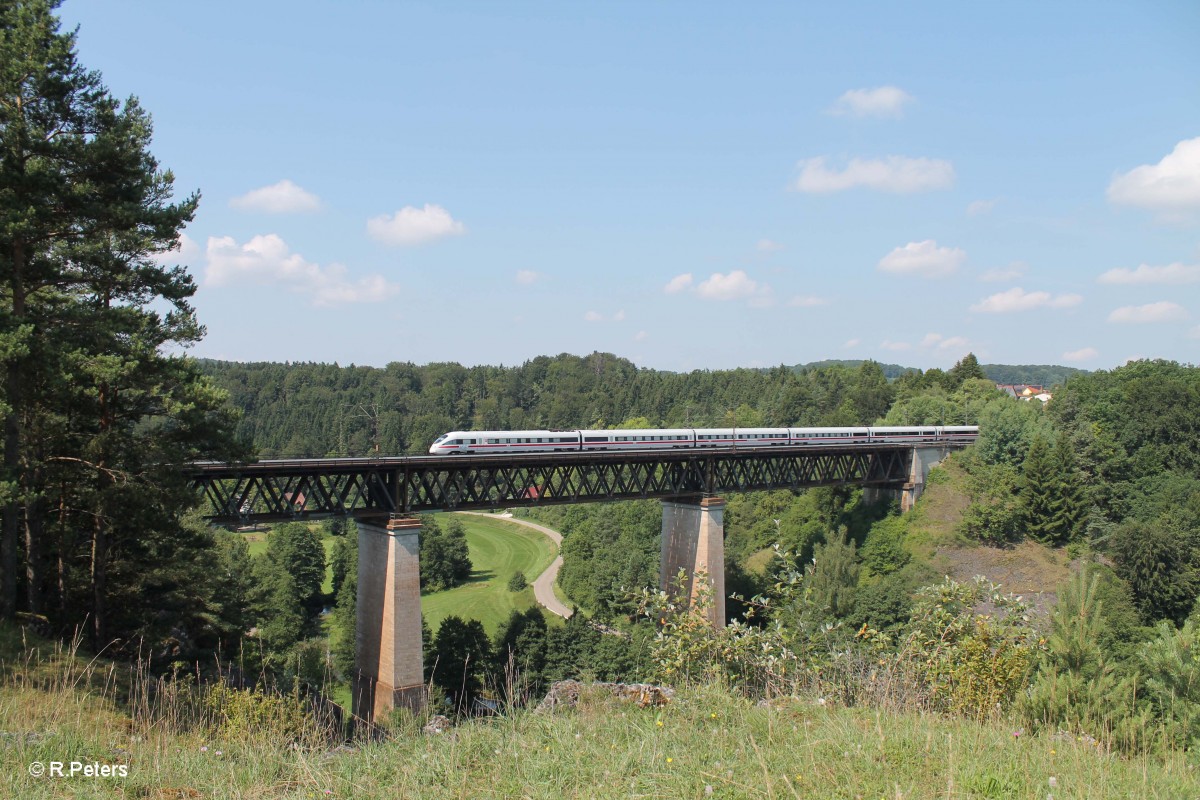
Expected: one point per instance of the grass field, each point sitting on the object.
(498, 549)
(59, 706)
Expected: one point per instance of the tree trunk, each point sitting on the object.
(12, 448)
(33, 556)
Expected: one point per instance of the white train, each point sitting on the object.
(669, 438)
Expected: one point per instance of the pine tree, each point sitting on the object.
(1071, 502)
(966, 369)
(462, 654)
(1038, 492)
(93, 408)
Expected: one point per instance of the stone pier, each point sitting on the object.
(923, 460)
(387, 641)
(693, 540)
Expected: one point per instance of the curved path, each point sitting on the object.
(543, 585)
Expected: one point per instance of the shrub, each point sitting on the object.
(969, 661)
(242, 714)
(517, 582)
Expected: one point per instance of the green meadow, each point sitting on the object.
(498, 549)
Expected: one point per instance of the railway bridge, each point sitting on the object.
(383, 495)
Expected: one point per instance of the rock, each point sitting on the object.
(567, 694)
(437, 724)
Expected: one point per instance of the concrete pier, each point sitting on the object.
(387, 641)
(923, 460)
(693, 540)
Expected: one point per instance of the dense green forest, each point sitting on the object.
(324, 409)
(1037, 374)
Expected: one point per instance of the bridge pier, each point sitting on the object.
(923, 460)
(693, 540)
(387, 641)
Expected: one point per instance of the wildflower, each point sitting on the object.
(669, 759)
(1052, 751)
(220, 753)
(1053, 782)
(708, 790)
(712, 715)
(203, 748)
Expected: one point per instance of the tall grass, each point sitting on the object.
(183, 740)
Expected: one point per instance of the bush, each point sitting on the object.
(517, 582)
(243, 714)
(968, 662)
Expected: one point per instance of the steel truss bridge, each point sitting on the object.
(272, 491)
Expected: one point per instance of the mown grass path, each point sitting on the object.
(498, 549)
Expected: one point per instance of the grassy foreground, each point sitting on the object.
(705, 743)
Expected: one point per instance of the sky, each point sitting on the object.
(689, 185)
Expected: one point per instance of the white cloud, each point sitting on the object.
(923, 258)
(897, 174)
(897, 346)
(596, 316)
(852, 343)
(1012, 272)
(980, 207)
(882, 101)
(185, 251)
(768, 246)
(807, 301)
(267, 260)
(1163, 311)
(1017, 299)
(1176, 273)
(527, 276)
(1173, 184)
(411, 225)
(284, 197)
(736, 285)
(953, 343)
(1084, 354)
(640, 336)
(942, 343)
(678, 283)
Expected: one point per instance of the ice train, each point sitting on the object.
(456, 442)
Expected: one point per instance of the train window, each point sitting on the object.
(594, 438)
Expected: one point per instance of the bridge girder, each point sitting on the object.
(271, 491)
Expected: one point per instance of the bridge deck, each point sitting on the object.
(274, 490)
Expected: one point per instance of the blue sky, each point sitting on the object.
(688, 185)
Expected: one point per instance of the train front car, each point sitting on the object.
(450, 443)
(480, 442)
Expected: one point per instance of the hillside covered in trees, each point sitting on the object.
(324, 409)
